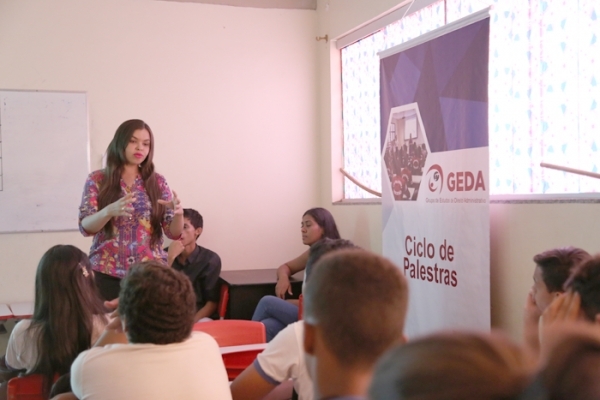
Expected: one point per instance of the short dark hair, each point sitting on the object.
(157, 303)
(194, 217)
(322, 247)
(359, 301)
(585, 280)
(453, 366)
(556, 265)
(325, 220)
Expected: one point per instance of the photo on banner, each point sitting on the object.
(435, 191)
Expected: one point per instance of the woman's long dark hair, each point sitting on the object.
(110, 189)
(325, 220)
(66, 304)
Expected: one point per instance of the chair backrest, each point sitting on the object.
(236, 362)
(28, 387)
(234, 332)
(223, 300)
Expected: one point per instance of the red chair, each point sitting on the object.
(237, 360)
(28, 387)
(300, 307)
(234, 332)
(223, 300)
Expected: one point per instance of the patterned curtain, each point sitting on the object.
(543, 93)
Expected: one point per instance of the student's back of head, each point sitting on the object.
(358, 302)
(585, 280)
(452, 366)
(157, 304)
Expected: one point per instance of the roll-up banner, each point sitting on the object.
(435, 192)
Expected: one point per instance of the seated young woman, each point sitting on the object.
(67, 319)
(274, 311)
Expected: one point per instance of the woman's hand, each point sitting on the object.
(283, 286)
(122, 207)
(173, 204)
(113, 332)
(115, 318)
(176, 225)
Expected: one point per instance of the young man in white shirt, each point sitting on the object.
(163, 358)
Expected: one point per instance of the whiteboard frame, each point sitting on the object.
(53, 220)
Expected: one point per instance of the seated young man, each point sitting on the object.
(283, 358)
(163, 359)
(575, 312)
(201, 265)
(355, 304)
(552, 269)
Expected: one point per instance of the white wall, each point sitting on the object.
(243, 134)
(518, 231)
(229, 93)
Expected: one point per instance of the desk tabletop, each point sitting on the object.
(256, 276)
(243, 347)
(22, 309)
(5, 312)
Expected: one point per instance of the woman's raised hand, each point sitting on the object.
(173, 204)
(122, 207)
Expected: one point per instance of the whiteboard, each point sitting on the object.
(44, 159)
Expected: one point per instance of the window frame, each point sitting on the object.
(337, 128)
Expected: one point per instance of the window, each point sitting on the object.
(543, 93)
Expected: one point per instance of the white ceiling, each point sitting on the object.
(292, 4)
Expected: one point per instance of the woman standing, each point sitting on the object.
(127, 206)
